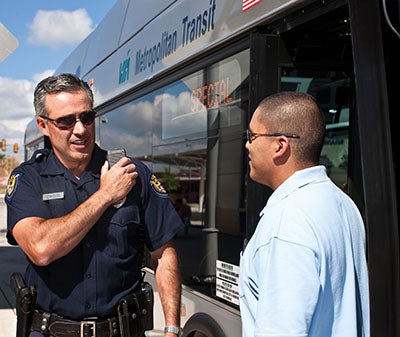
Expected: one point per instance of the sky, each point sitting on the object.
(47, 32)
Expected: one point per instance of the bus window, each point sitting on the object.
(189, 133)
(332, 96)
(197, 137)
(129, 126)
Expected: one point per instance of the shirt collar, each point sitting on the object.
(54, 167)
(98, 159)
(296, 181)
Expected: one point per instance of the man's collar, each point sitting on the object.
(55, 167)
(98, 159)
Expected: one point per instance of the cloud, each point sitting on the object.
(17, 110)
(38, 77)
(11, 137)
(16, 98)
(55, 28)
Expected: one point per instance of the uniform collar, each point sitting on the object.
(98, 159)
(54, 167)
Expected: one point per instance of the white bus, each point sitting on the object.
(175, 84)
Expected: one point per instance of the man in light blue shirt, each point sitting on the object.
(304, 271)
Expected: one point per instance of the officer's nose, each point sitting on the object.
(79, 127)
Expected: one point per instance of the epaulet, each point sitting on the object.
(39, 155)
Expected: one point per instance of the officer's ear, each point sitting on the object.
(42, 125)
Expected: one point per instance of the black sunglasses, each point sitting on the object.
(69, 121)
(250, 135)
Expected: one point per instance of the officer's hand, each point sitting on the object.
(118, 181)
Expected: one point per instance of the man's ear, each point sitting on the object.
(281, 144)
(42, 125)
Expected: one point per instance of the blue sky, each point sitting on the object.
(47, 32)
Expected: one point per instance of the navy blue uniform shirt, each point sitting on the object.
(104, 266)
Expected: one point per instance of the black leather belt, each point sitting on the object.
(60, 327)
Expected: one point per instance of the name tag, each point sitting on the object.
(53, 196)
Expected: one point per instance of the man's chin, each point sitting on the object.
(82, 150)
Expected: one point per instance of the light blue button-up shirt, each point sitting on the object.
(305, 266)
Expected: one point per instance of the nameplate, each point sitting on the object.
(53, 196)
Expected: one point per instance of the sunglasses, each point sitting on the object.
(69, 121)
(250, 135)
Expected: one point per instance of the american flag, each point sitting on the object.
(246, 4)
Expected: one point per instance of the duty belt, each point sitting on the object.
(57, 326)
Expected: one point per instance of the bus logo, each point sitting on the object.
(124, 70)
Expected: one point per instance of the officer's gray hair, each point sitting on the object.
(56, 84)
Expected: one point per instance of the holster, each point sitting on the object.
(25, 304)
(135, 311)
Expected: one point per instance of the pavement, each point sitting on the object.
(11, 260)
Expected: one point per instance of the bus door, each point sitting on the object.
(310, 54)
(327, 52)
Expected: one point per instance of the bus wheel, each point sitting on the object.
(202, 325)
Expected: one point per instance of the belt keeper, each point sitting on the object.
(44, 327)
(113, 326)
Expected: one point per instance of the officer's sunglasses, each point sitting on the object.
(69, 121)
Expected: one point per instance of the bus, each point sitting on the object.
(176, 83)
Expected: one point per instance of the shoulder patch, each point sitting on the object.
(12, 184)
(157, 187)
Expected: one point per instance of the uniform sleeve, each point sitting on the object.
(23, 199)
(160, 217)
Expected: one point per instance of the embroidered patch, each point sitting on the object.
(157, 187)
(12, 184)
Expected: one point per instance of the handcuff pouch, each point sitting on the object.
(135, 311)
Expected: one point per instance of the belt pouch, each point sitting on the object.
(135, 311)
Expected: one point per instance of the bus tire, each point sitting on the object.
(202, 325)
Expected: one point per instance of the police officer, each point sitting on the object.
(77, 220)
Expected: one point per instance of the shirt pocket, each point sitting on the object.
(118, 232)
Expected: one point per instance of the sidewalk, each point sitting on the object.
(11, 259)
